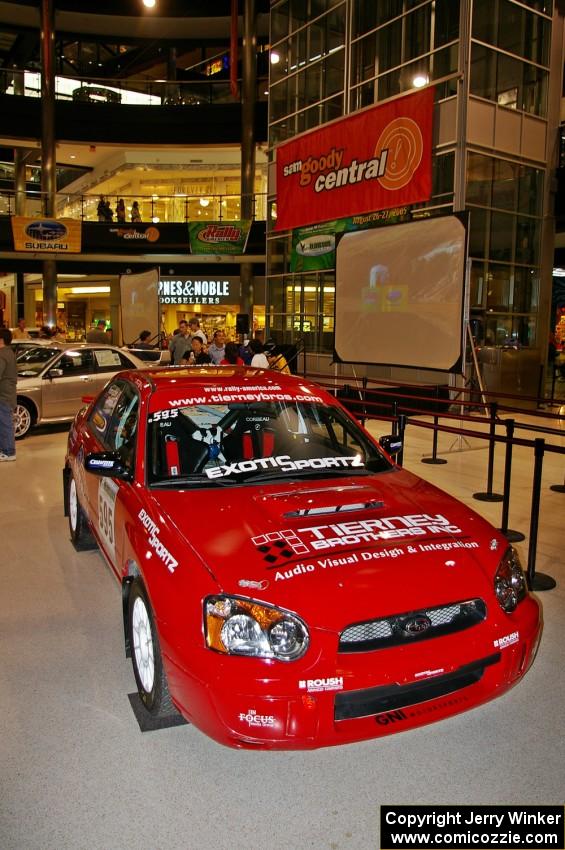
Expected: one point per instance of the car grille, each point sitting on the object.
(412, 626)
(349, 705)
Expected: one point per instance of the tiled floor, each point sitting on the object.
(75, 772)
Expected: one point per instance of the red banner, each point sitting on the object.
(372, 160)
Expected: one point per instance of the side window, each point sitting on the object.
(107, 360)
(121, 435)
(76, 362)
(126, 363)
(101, 415)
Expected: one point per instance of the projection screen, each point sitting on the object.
(139, 300)
(400, 294)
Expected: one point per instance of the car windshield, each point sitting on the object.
(205, 445)
(31, 361)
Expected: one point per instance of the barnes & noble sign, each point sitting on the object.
(198, 290)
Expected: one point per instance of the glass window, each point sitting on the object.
(417, 32)
(479, 179)
(499, 283)
(501, 236)
(505, 185)
(527, 240)
(530, 190)
(76, 362)
(446, 22)
(108, 360)
(483, 72)
(367, 16)
(279, 21)
(477, 284)
(478, 232)
(526, 290)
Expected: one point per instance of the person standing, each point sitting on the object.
(195, 355)
(135, 212)
(195, 330)
(217, 348)
(120, 211)
(21, 331)
(8, 381)
(179, 343)
(98, 334)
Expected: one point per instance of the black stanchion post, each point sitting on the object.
(401, 429)
(489, 496)
(395, 421)
(512, 536)
(434, 458)
(537, 581)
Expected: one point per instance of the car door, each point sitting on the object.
(66, 381)
(112, 427)
(108, 361)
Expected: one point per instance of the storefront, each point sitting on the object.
(214, 301)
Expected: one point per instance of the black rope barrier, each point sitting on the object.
(489, 495)
(510, 534)
(537, 581)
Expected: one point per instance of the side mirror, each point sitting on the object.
(107, 465)
(55, 373)
(392, 444)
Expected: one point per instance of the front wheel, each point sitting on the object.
(81, 535)
(24, 418)
(146, 654)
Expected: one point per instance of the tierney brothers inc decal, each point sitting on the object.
(46, 235)
(372, 160)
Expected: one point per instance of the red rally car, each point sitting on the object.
(284, 583)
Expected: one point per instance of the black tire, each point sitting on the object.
(146, 657)
(24, 418)
(81, 535)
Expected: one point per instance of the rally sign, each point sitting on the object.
(373, 160)
(218, 237)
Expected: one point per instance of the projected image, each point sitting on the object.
(139, 301)
(399, 294)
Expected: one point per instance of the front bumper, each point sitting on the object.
(244, 702)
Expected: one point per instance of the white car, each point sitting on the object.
(53, 379)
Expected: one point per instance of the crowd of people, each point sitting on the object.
(189, 346)
(106, 213)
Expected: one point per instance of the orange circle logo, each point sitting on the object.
(151, 234)
(402, 140)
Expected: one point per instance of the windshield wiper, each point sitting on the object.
(281, 475)
(198, 480)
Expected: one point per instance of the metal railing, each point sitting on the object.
(178, 207)
(129, 92)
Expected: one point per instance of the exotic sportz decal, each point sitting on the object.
(284, 463)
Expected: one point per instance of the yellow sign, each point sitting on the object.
(48, 235)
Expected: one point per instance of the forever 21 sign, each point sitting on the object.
(196, 291)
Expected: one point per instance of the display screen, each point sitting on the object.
(400, 294)
(139, 300)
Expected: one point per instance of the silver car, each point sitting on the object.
(52, 380)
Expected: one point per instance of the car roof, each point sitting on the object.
(178, 379)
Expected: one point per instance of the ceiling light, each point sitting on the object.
(72, 156)
(88, 290)
(275, 57)
(204, 202)
(420, 80)
(155, 219)
(149, 3)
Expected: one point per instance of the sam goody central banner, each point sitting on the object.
(372, 160)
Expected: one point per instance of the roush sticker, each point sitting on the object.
(332, 683)
(507, 640)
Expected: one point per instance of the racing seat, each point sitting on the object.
(248, 444)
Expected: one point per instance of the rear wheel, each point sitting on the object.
(146, 654)
(24, 418)
(81, 535)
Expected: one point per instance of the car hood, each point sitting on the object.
(390, 541)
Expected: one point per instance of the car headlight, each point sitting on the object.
(509, 581)
(238, 626)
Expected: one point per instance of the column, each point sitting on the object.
(48, 150)
(248, 94)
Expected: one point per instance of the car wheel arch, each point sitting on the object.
(131, 572)
(31, 406)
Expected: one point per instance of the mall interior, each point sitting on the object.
(177, 111)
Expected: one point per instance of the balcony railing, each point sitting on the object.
(153, 208)
(136, 92)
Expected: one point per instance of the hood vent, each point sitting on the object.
(334, 509)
